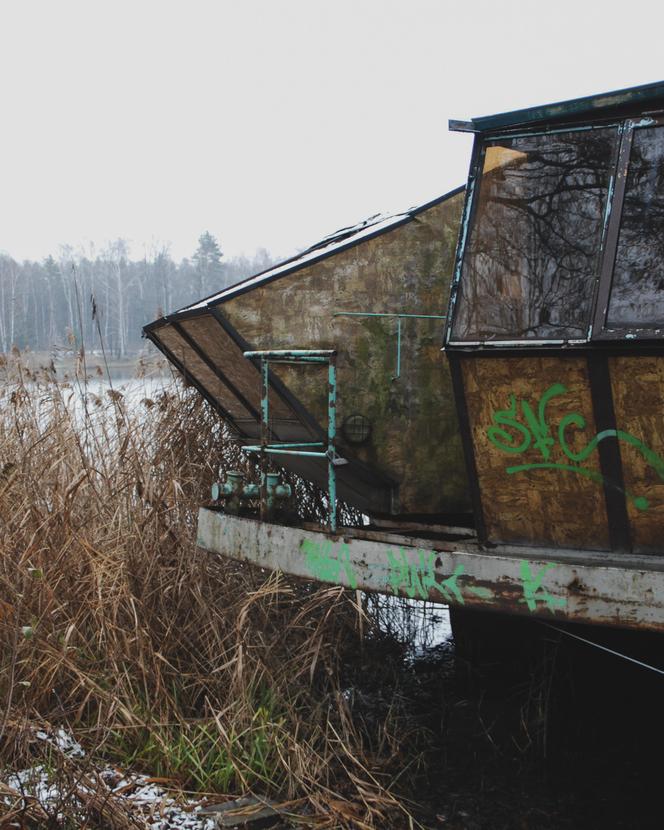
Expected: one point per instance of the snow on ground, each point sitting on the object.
(140, 795)
(64, 742)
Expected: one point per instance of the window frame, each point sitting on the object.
(597, 330)
(600, 330)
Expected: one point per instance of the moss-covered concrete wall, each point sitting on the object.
(415, 436)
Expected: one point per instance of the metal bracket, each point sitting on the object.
(399, 318)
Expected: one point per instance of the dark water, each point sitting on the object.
(532, 731)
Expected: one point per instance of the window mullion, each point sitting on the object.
(611, 232)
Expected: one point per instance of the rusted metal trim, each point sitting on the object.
(613, 229)
(456, 126)
(643, 330)
(474, 173)
(515, 344)
(331, 440)
(615, 591)
(282, 451)
(608, 212)
(569, 127)
(617, 346)
(265, 436)
(292, 355)
(590, 107)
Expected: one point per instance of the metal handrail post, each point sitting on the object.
(331, 439)
(266, 449)
(265, 430)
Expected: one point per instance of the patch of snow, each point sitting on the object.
(143, 797)
(64, 742)
(34, 782)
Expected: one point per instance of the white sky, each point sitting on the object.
(273, 122)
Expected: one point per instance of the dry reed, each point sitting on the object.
(156, 655)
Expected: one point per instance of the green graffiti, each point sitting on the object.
(449, 588)
(533, 592)
(479, 591)
(417, 580)
(416, 577)
(514, 432)
(326, 567)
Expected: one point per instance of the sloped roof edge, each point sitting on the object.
(601, 105)
(334, 243)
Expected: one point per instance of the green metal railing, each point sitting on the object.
(308, 449)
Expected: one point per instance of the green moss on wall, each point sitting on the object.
(414, 427)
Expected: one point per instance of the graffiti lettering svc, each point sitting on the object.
(516, 429)
(533, 592)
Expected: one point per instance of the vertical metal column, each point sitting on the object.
(265, 434)
(331, 437)
(398, 374)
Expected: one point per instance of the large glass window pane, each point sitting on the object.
(532, 256)
(637, 294)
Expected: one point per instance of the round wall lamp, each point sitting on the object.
(356, 429)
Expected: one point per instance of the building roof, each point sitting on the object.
(331, 244)
(604, 105)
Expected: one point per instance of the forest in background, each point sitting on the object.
(106, 299)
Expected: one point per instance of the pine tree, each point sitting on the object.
(209, 271)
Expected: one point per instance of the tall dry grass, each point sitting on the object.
(156, 655)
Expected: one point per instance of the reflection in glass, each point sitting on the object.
(532, 256)
(637, 295)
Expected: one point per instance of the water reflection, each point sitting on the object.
(419, 625)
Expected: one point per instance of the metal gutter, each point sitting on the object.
(595, 106)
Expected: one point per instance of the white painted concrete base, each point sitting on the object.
(606, 589)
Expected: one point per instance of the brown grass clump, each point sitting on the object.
(157, 656)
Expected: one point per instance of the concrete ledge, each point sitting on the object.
(624, 592)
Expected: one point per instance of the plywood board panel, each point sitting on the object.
(531, 421)
(637, 383)
(414, 431)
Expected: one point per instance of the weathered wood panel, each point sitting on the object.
(415, 437)
(534, 487)
(638, 397)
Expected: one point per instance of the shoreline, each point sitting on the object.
(67, 363)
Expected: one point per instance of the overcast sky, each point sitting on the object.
(273, 122)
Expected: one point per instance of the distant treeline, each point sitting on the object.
(72, 299)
